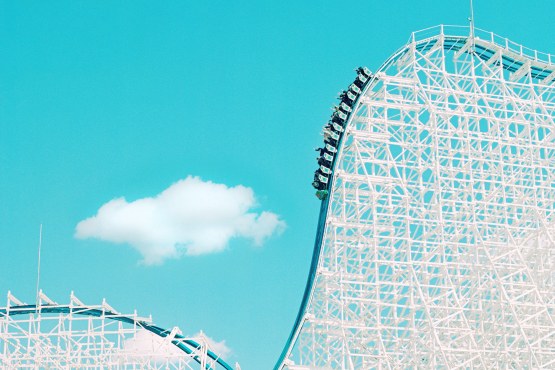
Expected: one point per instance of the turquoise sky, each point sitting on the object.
(107, 99)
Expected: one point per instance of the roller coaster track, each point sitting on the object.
(363, 311)
(191, 348)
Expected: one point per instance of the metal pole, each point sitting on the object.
(38, 272)
(472, 26)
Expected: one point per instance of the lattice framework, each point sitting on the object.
(78, 336)
(439, 233)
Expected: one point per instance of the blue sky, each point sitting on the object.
(102, 100)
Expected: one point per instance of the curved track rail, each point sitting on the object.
(485, 45)
(184, 345)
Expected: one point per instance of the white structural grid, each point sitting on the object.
(436, 244)
(77, 336)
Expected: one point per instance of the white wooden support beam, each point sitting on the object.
(495, 57)
(405, 59)
(521, 71)
(11, 298)
(463, 50)
(403, 80)
(75, 300)
(438, 45)
(205, 340)
(107, 307)
(548, 79)
(143, 319)
(172, 335)
(287, 362)
(44, 298)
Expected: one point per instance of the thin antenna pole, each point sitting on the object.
(38, 272)
(472, 26)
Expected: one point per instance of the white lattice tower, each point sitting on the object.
(77, 336)
(437, 247)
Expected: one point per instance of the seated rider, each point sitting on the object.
(323, 161)
(337, 120)
(342, 95)
(322, 151)
(328, 139)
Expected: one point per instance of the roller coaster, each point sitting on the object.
(48, 335)
(436, 235)
(435, 242)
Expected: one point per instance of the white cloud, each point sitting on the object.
(149, 347)
(190, 217)
(145, 346)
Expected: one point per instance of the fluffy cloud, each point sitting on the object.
(190, 217)
(146, 346)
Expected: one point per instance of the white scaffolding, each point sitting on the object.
(438, 244)
(77, 336)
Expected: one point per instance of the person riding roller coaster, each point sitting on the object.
(339, 113)
(347, 97)
(363, 70)
(337, 120)
(329, 140)
(333, 131)
(362, 77)
(342, 108)
(319, 172)
(360, 81)
(333, 135)
(331, 149)
(323, 161)
(323, 179)
(318, 185)
(327, 157)
(321, 150)
(346, 108)
(335, 128)
(326, 151)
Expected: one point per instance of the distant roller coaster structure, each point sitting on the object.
(435, 247)
(78, 336)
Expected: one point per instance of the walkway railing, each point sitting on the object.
(464, 31)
